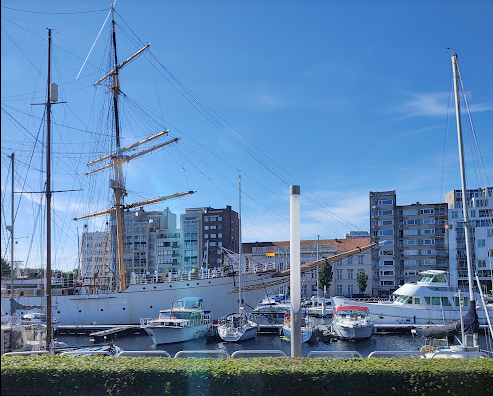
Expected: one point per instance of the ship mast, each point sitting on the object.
(118, 157)
(117, 183)
(472, 301)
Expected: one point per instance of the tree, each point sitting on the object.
(324, 275)
(5, 268)
(362, 280)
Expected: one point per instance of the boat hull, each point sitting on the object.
(145, 300)
(391, 313)
(352, 332)
(241, 334)
(306, 334)
(168, 335)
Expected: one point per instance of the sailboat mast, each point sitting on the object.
(239, 247)
(12, 245)
(463, 176)
(117, 184)
(49, 329)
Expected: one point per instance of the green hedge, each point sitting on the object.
(103, 375)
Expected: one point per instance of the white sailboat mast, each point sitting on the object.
(239, 247)
(463, 176)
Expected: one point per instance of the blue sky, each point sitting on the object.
(342, 98)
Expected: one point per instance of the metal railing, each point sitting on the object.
(394, 353)
(459, 354)
(337, 353)
(259, 352)
(165, 353)
(206, 352)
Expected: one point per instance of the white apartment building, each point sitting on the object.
(480, 204)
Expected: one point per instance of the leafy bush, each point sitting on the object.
(103, 375)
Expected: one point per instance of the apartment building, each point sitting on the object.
(95, 257)
(480, 204)
(205, 231)
(411, 238)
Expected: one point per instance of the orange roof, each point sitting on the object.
(339, 244)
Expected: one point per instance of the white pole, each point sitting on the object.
(295, 272)
(239, 247)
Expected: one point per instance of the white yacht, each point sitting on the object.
(428, 301)
(185, 321)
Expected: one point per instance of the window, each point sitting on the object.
(385, 252)
(410, 212)
(339, 290)
(427, 211)
(481, 263)
(360, 259)
(350, 289)
(386, 283)
(428, 252)
(429, 262)
(410, 222)
(385, 222)
(385, 202)
(206, 228)
(411, 262)
(411, 252)
(427, 241)
(350, 273)
(428, 232)
(387, 273)
(219, 235)
(339, 274)
(410, 232)
(427, 221)
(388, 262)
(386, 232)
(481, 242)
(385, 212)
(388, 242)
(410, 242)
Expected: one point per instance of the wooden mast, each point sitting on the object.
(118, 158)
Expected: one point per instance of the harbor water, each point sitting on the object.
(264, 341)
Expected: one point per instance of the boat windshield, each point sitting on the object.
(402, 299)
(352, 313)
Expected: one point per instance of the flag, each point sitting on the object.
(270, 253)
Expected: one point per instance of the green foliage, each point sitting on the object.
(324, 275)
(5, 268)
(102, 375)
(362, 280)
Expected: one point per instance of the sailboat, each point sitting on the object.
(469, 324)
(238, 326)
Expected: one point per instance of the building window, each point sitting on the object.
(349, 289)
(410, 212)
(427, 221)
(339, 290)
(410, 232)
(350, 273)
(385, 202)
(481, 242)
(427, 211)
(360, 259)
(385, 232)
(410, 242)
(339, 274)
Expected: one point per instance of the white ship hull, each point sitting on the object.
(145, 300)
(238, 334)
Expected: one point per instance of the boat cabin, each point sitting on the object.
(352, 312)
(434, 278)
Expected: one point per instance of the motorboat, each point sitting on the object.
(185, 320)
(352, 322)
(429, 301)
(269, 314)
(19, 337)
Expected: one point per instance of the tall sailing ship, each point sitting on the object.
(128, 302)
